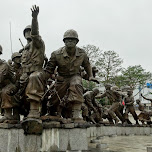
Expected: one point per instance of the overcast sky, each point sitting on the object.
(124, 26)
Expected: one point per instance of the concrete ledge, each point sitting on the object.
(56, 139)
(117, 130)
(53, 139)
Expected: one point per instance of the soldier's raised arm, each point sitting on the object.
(35, 28)
(37, 41)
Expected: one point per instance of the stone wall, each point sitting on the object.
(116, 130)
(60, 139)
(55, 139)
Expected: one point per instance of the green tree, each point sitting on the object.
(93, 53)
(109, 65)
(133, 76)
(89, 85)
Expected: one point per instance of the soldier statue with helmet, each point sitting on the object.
(129, 103)
(7, 93)
(115, 98)
(68, 59)
(91, 110)
(16, 66)
(32, 60)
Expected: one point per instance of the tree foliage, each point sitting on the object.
(93, 53)
(109, 65)
(133, 76)
(89, 85)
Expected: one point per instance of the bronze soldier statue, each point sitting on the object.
(17, 69)
(31, 81)
(68, 59)
(129, 102)
(7, 91)
(115, 98)
(144, 116)
(91, 110)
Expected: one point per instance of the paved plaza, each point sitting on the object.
(124, 144)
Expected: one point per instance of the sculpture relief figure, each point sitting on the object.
(33, 54)
(91, 110)
(16, 66)
(7, 93)
(68, 59)
(115, 98)
(129, 103)
(144, 116)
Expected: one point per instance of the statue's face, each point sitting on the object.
(107, 87)
(28, 34)
(70, 42)
(129, 93)
(17, 60)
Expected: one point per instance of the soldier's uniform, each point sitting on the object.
(115, 98)
(32, 81)
(144, 116)
(69, 70)
(8, 89)
(129, 102)
(91, 104)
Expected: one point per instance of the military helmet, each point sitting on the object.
(26, 28)
(125, 88)
(94, 68)
(16, 54)
(71, 34)
(108, 85)
(95, 90)
(115, 88)
(137, 101)
(1, 49)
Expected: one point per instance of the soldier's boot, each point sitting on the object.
(116, 120)
(7, 115)
(59, 111)
(16, 115)
(76, 113)
(34, 110)
(137, 123)
(92, 119)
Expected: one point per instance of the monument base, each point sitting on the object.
(51, 140)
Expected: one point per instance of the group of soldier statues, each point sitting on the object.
(32, 86)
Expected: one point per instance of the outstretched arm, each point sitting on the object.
(146, 98)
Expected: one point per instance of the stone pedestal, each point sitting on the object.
(53, 139)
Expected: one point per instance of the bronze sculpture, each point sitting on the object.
(115, 98)
(129, 102)
(7, 92)
(91, 110)
(32, 81)
(69, 59)
(144, 116)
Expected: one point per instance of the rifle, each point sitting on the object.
(22, 46)
(50, 87)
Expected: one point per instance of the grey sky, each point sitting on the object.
(124, 26)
